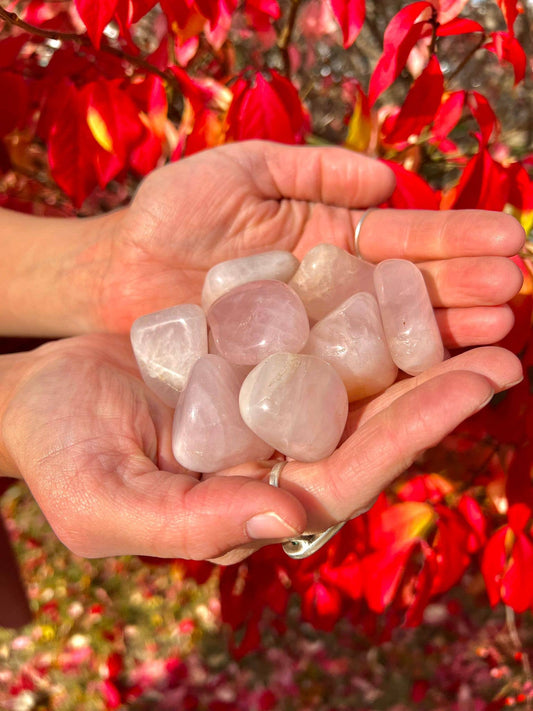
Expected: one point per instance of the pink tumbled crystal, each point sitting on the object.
(257, 319)
(225, 276)
(209, 433)
(351, 339)
(297, 403)
(166, 344)
(327, 276)
(408, 319)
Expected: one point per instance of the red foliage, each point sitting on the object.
(105, 110)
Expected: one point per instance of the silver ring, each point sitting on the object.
(308, 543)
(358, 232)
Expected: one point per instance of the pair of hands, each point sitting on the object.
(94, 444)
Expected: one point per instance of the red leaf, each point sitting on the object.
(261, 13)
(411, 191)
(420, 105)
(350, 15)
(483, 113)
(96, 15)
(401, 523)
(448, 9)
(9, 50)
(493, 564)
(510, 10)
(15, 103)
(473, 515)
(382, 573)
(401, 35)
(266, 109)
(459, 26)
(321, 606)
(508, 49)
(483, 184)
(425, 487)
(450, 548)
(448, 115)
(70, 145)
(516, 589)
(115, 124)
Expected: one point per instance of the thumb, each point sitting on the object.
(167, 515)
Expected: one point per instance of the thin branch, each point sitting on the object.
(285, 37)
(462, 64)
(137, 61)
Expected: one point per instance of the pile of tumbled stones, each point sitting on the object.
(278, 350)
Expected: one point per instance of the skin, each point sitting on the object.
(93, 444)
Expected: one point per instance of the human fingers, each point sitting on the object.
(421, 235)
(498, 365)
(471, 281)
(476, 326)
(329, 175)
(337, 488)
(123, 504)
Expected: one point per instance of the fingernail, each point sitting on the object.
(269, 525)
(513, 383)
(484, 403)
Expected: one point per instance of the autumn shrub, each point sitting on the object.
(98, 93)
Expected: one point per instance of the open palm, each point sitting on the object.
(246, 198)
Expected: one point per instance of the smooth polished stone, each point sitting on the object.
(257, 319)
(408, 319)
(209, 433)
(352, 340)
(297, 403)
(166, 344)
(276, 264)
(327, 276)
(241, 370)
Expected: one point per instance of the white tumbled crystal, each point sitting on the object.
(409, 321)
(166, 345)
(209, 433)
(276, 264)
(297, 403)
(327, 276)
(351, 339)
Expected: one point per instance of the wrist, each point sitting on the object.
(52, 271)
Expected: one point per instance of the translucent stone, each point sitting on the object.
(351, 339)
(297, 403)
(408, 319)
(223, 277)
(166, 344)
(257, 319)
(209, 433)
(327, 276)
(241, 370)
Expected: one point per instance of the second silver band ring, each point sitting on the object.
(307, 543)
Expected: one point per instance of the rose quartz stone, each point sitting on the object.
(327, 276)
(241, 370)
(209, 433)
(408, 319)
(297, 403)
(223, 277)
(166, 344)
(352, 340)
(257, 319)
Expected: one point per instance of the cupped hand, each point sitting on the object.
(244, 198)
(94, 446)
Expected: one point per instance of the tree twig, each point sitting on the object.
(462, 64)
(137, 61)
(285, 37)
